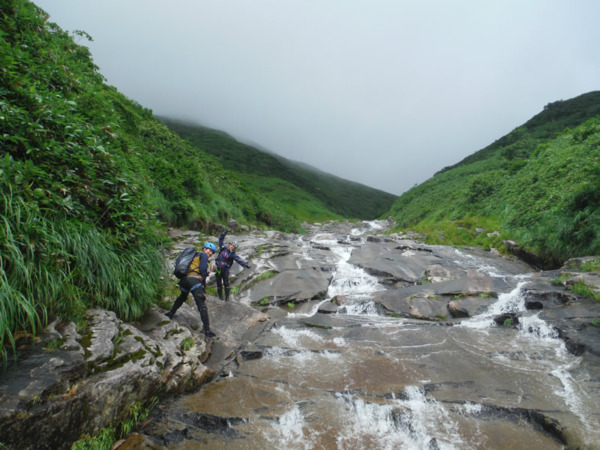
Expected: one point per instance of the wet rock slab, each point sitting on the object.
(436, 301)
(408, 262)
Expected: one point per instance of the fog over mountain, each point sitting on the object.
(380, 92)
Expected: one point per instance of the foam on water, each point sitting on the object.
(288, 430)
(414, 422)
(512, 301)
(349, 279)
(546, 352)
(368, 308)
(292, 338)
(474, 263)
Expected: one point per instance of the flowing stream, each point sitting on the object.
(368, 380)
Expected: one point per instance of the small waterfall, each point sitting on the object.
(474, 263)
(349, 279)
(413, 422)
(512, 301)
(288, 431)
(546, 352)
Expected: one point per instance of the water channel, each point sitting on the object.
(370, 380)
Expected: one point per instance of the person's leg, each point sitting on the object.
(178, 302)
(200, 298)
(220, 286)
(225, 275)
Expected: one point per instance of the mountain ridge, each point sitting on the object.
(346, 198)
(537, 185)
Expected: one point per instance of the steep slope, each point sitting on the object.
(538, 185)
(89, 180)
(342, 197)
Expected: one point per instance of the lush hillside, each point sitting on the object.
(342, 197)
(538, 185)
(89, 180)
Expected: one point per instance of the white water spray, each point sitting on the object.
(547, 353)
(349, 279)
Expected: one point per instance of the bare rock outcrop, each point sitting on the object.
(78, 381)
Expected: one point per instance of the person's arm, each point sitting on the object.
(204, 266)
(222, 239)
(241, 262)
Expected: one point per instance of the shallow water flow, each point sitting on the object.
(369, 380)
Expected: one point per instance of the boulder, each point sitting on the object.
(507, 319)
(328, 308)
(299, 285)
(469, 306)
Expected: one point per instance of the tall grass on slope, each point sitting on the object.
(59, 268)
(549, 202)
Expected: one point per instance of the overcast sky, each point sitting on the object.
(382, 92)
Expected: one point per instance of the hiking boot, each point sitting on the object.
(169, 315)
(210, 334)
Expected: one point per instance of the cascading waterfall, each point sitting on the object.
(411, 422)
(350, 280)
(359, 378)
(547, 352)
(375, 420)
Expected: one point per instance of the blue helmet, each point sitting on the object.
(211, 246)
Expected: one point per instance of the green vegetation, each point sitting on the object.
(89, 180)
(312, 194)
(580, 288)
(264, 301)
(591, 266)
(187, 344)
(538, 185)
(54, 345)
(561, 280)
(265, 276)
(106, 438)
(294, 200)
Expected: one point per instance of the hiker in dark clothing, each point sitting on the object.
(195, 282)
(224, 262)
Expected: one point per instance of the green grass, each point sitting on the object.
(107, 437)
(89, 181)
(264, 301)
(591, 266)
(580, 288)
(187, 344)
(338, 196)
(294, 200)
(65, 268)
(539, 186)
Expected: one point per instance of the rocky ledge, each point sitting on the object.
(72, 381)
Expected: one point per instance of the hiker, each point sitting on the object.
(224, 262)
(194, 282)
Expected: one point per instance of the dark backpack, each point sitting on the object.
(183, 261)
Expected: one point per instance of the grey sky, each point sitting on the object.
(382, 92)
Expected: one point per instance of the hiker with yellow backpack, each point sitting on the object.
(191, 267)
